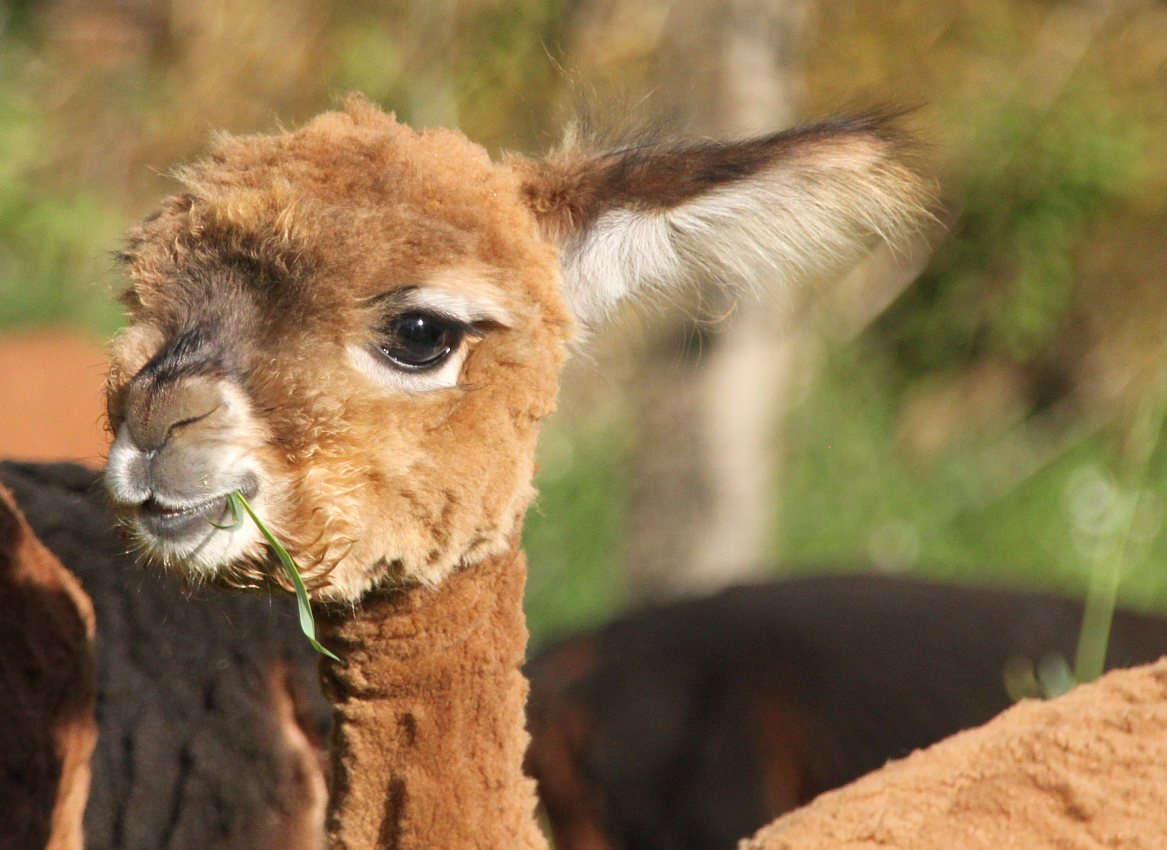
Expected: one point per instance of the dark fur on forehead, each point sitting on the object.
(574, 189)
(213, 278)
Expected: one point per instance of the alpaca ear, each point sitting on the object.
(775, 210)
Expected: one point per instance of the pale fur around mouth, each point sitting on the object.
(199, 535)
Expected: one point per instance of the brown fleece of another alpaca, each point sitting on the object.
(1082, 772)
(47, 689)
(429, 737)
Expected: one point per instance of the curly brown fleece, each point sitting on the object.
(281, 245)
(429, 745)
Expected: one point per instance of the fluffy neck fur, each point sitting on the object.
(429, 711)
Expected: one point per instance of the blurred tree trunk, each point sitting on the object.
(708, 394)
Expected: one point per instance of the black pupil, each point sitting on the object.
(419, 340)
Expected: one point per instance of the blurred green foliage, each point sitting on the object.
(853, 495)
(573, 532)
(54, 242)
(981, 428)
(1003, 281)
(482, 66)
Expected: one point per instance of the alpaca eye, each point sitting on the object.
(417, 341)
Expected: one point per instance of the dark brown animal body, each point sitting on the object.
(688, 726)
(47, 689)
(208, 710)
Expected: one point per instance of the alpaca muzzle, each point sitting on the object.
(182, 446)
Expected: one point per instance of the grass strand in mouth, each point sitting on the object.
(239, 505)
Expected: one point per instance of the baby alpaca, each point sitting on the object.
(361, 328)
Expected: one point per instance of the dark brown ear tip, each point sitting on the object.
(572, 188)
(896, 126)
(889, 127)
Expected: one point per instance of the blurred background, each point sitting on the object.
(987, 406)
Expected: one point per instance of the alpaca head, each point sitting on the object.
(361, 327)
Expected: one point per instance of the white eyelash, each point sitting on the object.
(455, 305)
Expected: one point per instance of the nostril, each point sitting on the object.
(154, 413)
(153, 434)
(127, 470)
(190, 420)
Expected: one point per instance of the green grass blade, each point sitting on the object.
(307, 621)
(236, 513)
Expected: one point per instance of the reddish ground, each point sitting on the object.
(51, 397)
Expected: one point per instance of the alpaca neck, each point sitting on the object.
(429, 710)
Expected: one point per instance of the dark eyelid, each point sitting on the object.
(394, 304)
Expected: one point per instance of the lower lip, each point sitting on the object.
(173, 525)
(196, 521)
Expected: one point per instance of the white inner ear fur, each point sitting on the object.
(793, 221)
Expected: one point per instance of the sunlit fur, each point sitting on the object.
(369, 485)
(769, 213)
(274, 261)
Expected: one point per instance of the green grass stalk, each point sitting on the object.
(239, 505)
(1114, 559)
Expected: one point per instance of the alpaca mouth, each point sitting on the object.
(173, 520)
